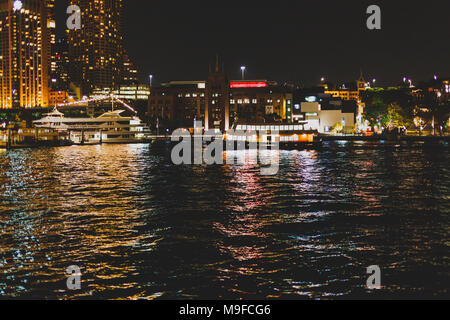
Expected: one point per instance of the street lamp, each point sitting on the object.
(243, 68)
(322, 79)
(151, 78)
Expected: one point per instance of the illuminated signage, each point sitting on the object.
(259, 84)
(311, 99)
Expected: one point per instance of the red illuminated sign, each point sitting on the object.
(260, 84)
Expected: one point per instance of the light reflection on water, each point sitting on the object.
(140, 227)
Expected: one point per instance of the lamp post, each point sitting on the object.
(243, 68)
(151, 79)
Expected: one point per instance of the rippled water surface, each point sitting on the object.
(140, 227)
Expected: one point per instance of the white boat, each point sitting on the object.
(110, 127)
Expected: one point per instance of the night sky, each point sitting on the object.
(286, 40)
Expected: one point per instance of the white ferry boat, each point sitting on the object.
(110, 127)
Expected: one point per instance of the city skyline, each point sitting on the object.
(101, 54)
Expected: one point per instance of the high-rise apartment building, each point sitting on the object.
(96, 51)
(24, 54)
(51, 32)
(60, 75)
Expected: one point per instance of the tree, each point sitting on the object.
(433, 108)
(395, 117)
(385, 106)
(337, 128)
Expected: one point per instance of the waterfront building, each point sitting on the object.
(260, 100)
(352, 93)
(323, 112)
(177, 102)
(96, 53)
(220, 103)
(217, 100)
(324, 120)
(25, 53)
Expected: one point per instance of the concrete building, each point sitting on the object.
(324, 120)
(323, 112)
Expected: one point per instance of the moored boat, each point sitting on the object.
(110, 127)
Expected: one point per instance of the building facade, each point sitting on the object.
(219, 103)
(25, 56)
(57, 98)
(96, 53)
(326, 119)
(131, 92)
(60, 76)
(51, 42)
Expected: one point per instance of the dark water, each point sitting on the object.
(140, 227)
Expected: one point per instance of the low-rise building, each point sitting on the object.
(219, 103)
(326, 116)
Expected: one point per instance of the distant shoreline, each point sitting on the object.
(385, 138)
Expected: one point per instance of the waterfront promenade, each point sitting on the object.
(27, 139)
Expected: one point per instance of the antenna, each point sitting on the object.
(217, 62)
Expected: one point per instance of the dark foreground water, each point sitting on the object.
(140, 227)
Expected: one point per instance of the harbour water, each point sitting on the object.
(140, 227)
